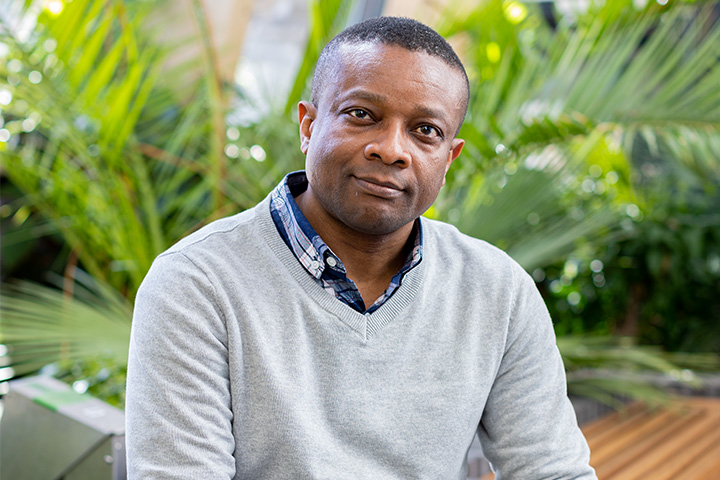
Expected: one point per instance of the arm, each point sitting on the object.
(528, 429)
(179, 421)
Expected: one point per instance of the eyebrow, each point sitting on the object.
(430, 112)
(365, 95)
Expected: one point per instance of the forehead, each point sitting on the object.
(397, 73)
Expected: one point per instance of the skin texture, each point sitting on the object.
(378, 146)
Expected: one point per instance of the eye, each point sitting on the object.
(429, 131)
(358, 113)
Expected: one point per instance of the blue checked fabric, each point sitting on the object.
(317, 258)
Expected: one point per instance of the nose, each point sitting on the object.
(391, 146)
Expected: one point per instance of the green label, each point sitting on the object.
(53, 399)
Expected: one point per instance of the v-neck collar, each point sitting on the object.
(365, 325)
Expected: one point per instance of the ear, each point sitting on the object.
(455, 149)
(306, 116)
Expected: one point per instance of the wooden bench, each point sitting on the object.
(681, 441)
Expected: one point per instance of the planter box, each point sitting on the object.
(48, 430)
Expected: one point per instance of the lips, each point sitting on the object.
(378, 187)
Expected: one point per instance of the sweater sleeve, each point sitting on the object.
(528, 430)
(178, 412)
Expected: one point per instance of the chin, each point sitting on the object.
(374, 224)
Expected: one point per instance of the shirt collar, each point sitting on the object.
(312, 252)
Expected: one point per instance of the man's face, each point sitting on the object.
(381, 139)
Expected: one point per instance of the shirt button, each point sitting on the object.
(314, 264)
(331, 261)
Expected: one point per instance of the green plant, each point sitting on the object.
(556, 113)
(658, 282)
(612, 369)
(558, 127)
(117, 163)
(41, 325)
(121, 165)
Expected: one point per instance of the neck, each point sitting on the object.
(370, 260)
(367, 257)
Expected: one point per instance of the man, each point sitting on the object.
(329, 332)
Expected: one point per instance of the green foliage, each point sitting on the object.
(619, 361)
(100, 376)
(553, 171)
(108, 156)
(326, 19)
(610, 369)
(71, 120)
(40, 325)
(555, 114)
(659, 281)
(102, 147)
(115, 161)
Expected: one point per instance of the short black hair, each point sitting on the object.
(403, 32)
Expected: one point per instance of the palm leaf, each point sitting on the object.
(74, 167)
(613, 74)
(609, 369)
(39, 324)
(327, 18)
(120, 165)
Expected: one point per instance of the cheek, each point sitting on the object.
(324, 149)
(329, 160)
(433, 172)
(317, 156)
(430, 180)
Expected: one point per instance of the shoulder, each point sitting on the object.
(215, 251)
(482, 269)
(454, 248)
(219, 234)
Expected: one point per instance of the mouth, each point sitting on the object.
(378, 187)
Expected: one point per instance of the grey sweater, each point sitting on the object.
(242, 366)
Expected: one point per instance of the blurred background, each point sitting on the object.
(592, 157)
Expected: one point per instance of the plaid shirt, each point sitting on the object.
(317, 258)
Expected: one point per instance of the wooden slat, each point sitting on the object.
(709, 470)
(601, 425)
(702, 445)
(706, 467)
(637, 444)
(674, 457)
(639, 434)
